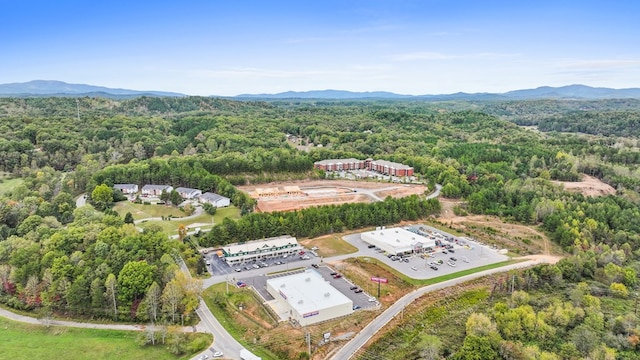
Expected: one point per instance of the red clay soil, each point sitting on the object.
(333, 192)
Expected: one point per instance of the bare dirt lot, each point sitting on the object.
(522, 239)
(589, 186)
(325, 192)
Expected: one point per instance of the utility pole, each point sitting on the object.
(308, 338)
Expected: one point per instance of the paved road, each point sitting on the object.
(30, 320)
(81, 200)
(350, 348)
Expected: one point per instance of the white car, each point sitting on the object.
(414, 268)
(218, 354)
(372, 300)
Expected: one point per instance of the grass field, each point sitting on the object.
(24, 341)
(6, 184)
(203, 221)
(330, 245)
(141, 211)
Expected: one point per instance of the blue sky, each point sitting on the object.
(408, 47)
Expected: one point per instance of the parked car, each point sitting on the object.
(453, 259)
(314, 248)
(305, 257)
(247, 267)
(203, 357)
(356, 307)
(208, 262)
(357, 291)
(278, 262)
(301, 252)
(405, 260)
(451, 251)
(218, 354)
(238, 269)
(315, 265)
(445, 252)
(333, 273)
(414, 268)
(337, 276)
(353, 287)
(256, 266)
(434, 267)
(371, 246)
(241, 284)
(372, 299)
(451, 263)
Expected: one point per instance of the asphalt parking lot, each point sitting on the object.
(220, 267)
(342, 284)
(469, 254)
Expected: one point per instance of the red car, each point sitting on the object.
(337, 276)
(241, 284)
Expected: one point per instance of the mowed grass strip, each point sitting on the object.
(330, 245)
(141, 211)
(25, 341)
(203, 221)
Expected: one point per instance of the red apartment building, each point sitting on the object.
(381, 166)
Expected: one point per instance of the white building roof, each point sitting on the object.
(156, 187)
(209, 196)
(186, 190)
(338, 161)
(260, 244)
(308, 292)
(399, 238)
(125, 186)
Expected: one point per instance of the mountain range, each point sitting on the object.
(40, 88)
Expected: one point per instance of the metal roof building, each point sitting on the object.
(397, 240)
(309, 298)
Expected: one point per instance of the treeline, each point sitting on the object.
(618, 123)
(176, 171)
(320, 220)
(96, 266)
(580, 308)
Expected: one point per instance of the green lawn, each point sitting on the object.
(329, 245)
(140, 211)
(203, 221)
(25, 341)
(8, 184)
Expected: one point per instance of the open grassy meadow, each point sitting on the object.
(7, 183)
(25, 341)
(204, 221)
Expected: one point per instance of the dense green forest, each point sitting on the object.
(56, 258)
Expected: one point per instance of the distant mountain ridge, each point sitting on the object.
(578, 92)
(60, 88)
(543, 92)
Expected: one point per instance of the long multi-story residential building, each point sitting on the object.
(382, 166)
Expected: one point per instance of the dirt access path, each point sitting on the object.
(589, 186)
(510, 235)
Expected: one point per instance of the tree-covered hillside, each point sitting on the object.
(59, 258)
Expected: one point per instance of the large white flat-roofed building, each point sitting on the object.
(308, 298)
(397, 240)
(260, 249)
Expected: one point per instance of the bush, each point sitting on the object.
(198, 344)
